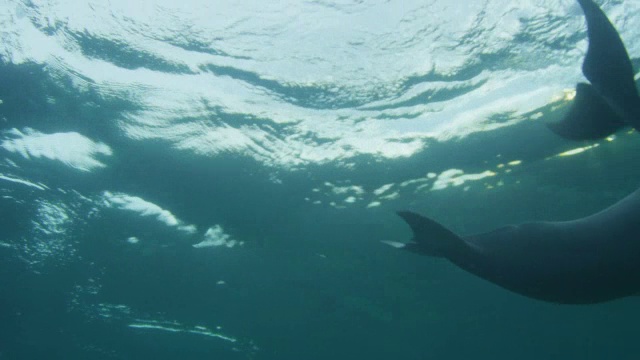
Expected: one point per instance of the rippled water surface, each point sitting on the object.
(213, 180)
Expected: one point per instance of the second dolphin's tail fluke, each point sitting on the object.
(607, 64)
(611, 101)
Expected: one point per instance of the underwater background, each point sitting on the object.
(212, 180)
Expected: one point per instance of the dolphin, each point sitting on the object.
(610, 101)
(584, 261)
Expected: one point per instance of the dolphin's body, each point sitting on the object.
(611, 101)
(588, 260)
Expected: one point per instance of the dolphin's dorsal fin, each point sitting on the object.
(589, 118)
(430, 237)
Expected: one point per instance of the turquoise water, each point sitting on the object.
(198, 180)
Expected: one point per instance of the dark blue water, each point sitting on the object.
(183, 180)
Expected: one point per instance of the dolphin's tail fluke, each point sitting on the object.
(590, 117)
(611, 101)
(429, 237)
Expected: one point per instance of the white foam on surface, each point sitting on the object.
(216, 237)
(146, 209)
(457, 177)
(178, 328)
(71, 149)
(133, 240)
(23, 182)
(381, 190)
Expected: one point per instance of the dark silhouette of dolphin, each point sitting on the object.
(584, 261)
(611, 101)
